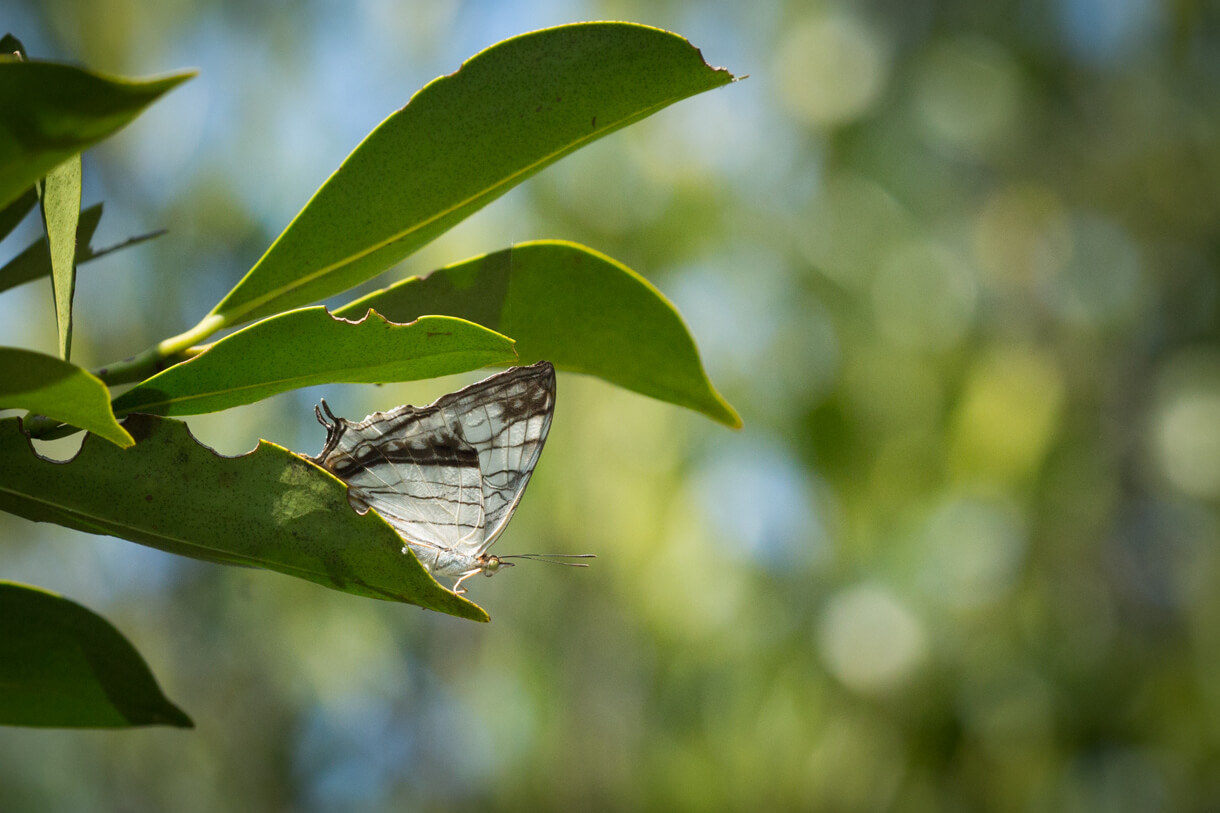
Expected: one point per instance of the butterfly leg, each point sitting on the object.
(457, 585)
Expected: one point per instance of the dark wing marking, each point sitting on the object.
(450, 474)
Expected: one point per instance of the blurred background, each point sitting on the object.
(953, 262)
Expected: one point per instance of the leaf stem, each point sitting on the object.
(161, 355)
(137, 368)
(43, 428)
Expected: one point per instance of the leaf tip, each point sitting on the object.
(722, 411)
(118, 436)
(168, 715)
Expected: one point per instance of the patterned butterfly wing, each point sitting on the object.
(409, 465)
(448, 475)
(507, 423)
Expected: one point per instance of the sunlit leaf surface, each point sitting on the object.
(572, 306)
(269, 509)
(309, 346)
(61, 217)
(49, 386)
(464, 140)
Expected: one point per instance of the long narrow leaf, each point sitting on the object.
(49, 386)
(577, 308)
(64, 666)
(305, 347)
(269, 509)
(464, 140)
(60, 192)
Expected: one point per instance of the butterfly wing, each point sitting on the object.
(421, 476)
(448, 475)
(506, 418)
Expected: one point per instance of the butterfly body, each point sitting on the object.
(447, 476)
(454, 564)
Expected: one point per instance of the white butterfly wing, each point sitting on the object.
(506, 418)
(448, 475)
(419, 475)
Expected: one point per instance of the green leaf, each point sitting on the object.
(573, 306)
(34, 262)
(50, 112)
(16, 210)
(64, 666)
(269, 509)
(461, 142)
(60, 193)
(49, 386)
(11, 47)
(305, 347)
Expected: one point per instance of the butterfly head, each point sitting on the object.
(492, 564)
(489, 565)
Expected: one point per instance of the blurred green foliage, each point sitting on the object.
(955, 263)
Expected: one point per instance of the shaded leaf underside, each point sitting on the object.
(63, 665)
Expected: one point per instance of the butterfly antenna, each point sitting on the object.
(553, 558)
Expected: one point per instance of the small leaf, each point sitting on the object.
(461, 142)
(49, 386)
(34, 262)
(15, 212)
(60, 194)
(50, 112)
(305, 347)
(64, 666)
(269, 509)
(573, 306)
(11, 47)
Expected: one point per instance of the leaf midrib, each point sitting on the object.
(273, 382)
(302, 281)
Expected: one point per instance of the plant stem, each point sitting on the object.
(44, 428)
(137, 368)
(161, 355)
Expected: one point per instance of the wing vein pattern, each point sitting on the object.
(447, 476)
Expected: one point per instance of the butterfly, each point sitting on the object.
(448, 476)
